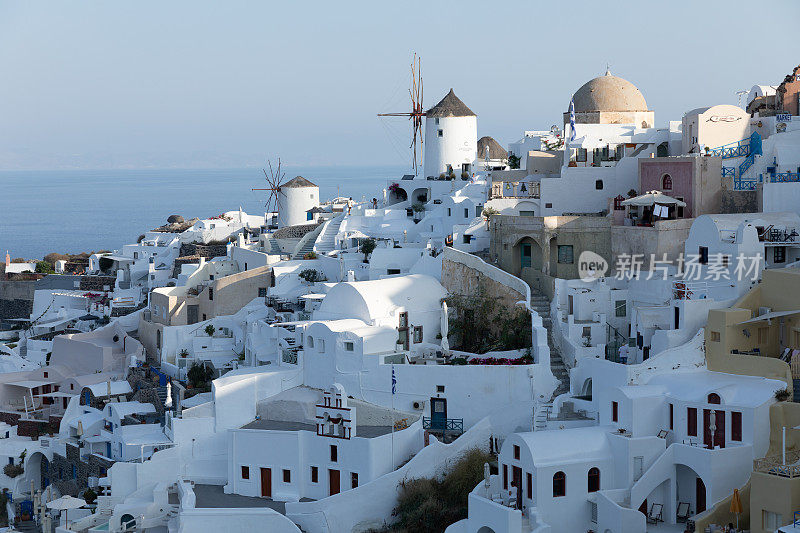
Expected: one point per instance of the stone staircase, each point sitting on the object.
(541, 304)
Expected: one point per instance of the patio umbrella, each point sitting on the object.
(65, 503)
(168, 400)
(444, 326)
(653, 197)
(736, 506)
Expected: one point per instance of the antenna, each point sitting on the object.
(275, 178)
(416, 113)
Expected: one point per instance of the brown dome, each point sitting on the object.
(608, 93)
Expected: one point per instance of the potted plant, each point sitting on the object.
(89, 496)
(782, 395)
(210, 329)
(367, 247)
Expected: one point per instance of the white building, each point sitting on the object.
(319, 445)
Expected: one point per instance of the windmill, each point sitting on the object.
(275, 178)
(416, 113)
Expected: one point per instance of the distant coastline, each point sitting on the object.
(73, 211)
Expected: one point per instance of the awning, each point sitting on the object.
(100, 389)
(653, 197)
(30, 384)
(767, 316)
(314, 296)
(58, 394)
(96, 438)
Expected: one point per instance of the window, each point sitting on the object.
(666, 183)
(505, 477)
(526, 213)
(580, 155)
(437, 121)
(245, 472)
(466, 212)
(245, 267)
(392, 271)
(71, 386)
(771, 521)
(598, 184)
(348, 346)
(439, 388)
(353, 479)
(671, 416)
(620, 308)
(314, 474)
(587, 332)
(262, 292)
(45, 375)
(310, 341)
(530, 486)
(548, 205)
(691, 421)
(441, 133)
(204, 317)
(618, 203)
(321, 345)
(516, 452)
(736, 426)
(565, 254)
(714, 398)
(780, 254)
(449, 212)
(417, 334)
(715, 336)
(559, 484)
(478, 210)
(404, 319)
(593, 482)
(287, 476)
(334, 453)
(211, 293)
(703, 253)
(614, 412)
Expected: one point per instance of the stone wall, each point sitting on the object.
(61, 470)
(16, 298)
(294, 232)
(97, 283)
(27, 427)
(15, 308)
(180, 261)
(462, 279)
(203, 250)
(9, 418)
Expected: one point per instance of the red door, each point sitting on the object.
(700, 496)
(333, 481)
(517, 480)
(266, 483)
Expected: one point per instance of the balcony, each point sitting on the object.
(778, 465)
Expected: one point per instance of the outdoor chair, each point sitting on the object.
(683, 512)
(655, 515)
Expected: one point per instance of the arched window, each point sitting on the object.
(559, 484)
(714, 398)
(593, 484)
(666, 182)
(310, 341)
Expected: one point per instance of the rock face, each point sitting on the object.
(175, 219)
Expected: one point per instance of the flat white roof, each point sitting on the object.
(117, 387)
(31, 384)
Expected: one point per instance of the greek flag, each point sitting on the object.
(394, 382)
(571, 120)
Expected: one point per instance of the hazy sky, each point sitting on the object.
(230, 83)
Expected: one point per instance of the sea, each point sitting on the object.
(73, 211)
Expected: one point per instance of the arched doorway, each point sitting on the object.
(396, 196)
(486, 529)
(586, 390)
(37, 469)
(420, 196)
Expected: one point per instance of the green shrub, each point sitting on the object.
(430, 505)
(210, 329)
(13, 471)
(89, 496)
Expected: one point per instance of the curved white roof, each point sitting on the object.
(566, 446)
(371, 300)
(736, 390)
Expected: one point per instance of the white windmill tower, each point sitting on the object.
(289, 201)
(451, 137)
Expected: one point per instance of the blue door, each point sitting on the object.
(525, 255)
(755, 144)
(86, 398)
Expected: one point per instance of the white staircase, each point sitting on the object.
(326, 242)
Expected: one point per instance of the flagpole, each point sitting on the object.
(393, 389)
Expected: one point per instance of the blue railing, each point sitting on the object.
(729, 171)
(796, 519)
(747, 163)
(451, 424)
(730, 150)
(785, 177)
(744, 185)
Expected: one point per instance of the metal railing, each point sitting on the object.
(744, 185)
(729, 171)
(785, 177)
(776, 464)
(450, 424)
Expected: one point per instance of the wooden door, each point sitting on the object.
(700, 496)
(266, 483)
(516, 473)
(333, 481)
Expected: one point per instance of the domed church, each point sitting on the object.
(609, 99)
